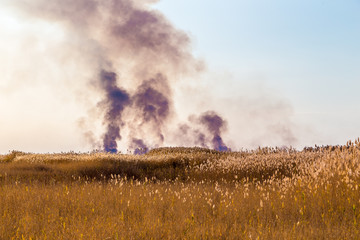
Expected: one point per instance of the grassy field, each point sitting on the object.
(183, 193)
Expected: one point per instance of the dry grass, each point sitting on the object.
(182, 193)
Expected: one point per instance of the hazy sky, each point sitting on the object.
(280, 72)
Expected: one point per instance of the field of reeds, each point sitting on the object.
(183, 193)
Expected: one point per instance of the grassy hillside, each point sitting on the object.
(182, 193)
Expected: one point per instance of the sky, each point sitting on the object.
(279, 72)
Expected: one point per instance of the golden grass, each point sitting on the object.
(182, 193)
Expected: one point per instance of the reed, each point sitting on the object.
(183, 193)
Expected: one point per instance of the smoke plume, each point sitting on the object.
(137, 55)
(139, 146)
(116, 100)
(152, 105)
(215, 124)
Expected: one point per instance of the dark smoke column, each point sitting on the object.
(214, 123)
(139, 146)
(153, 105)
(116, 100)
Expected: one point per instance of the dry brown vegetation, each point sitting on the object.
(183, 193)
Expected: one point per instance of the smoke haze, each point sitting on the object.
(135, 57)
(126, 40)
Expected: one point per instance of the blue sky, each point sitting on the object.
(309, 47)
(307, 52)
(293, 64)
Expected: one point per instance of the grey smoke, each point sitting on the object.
(215, 125)
(116, 100)
(138, 55)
